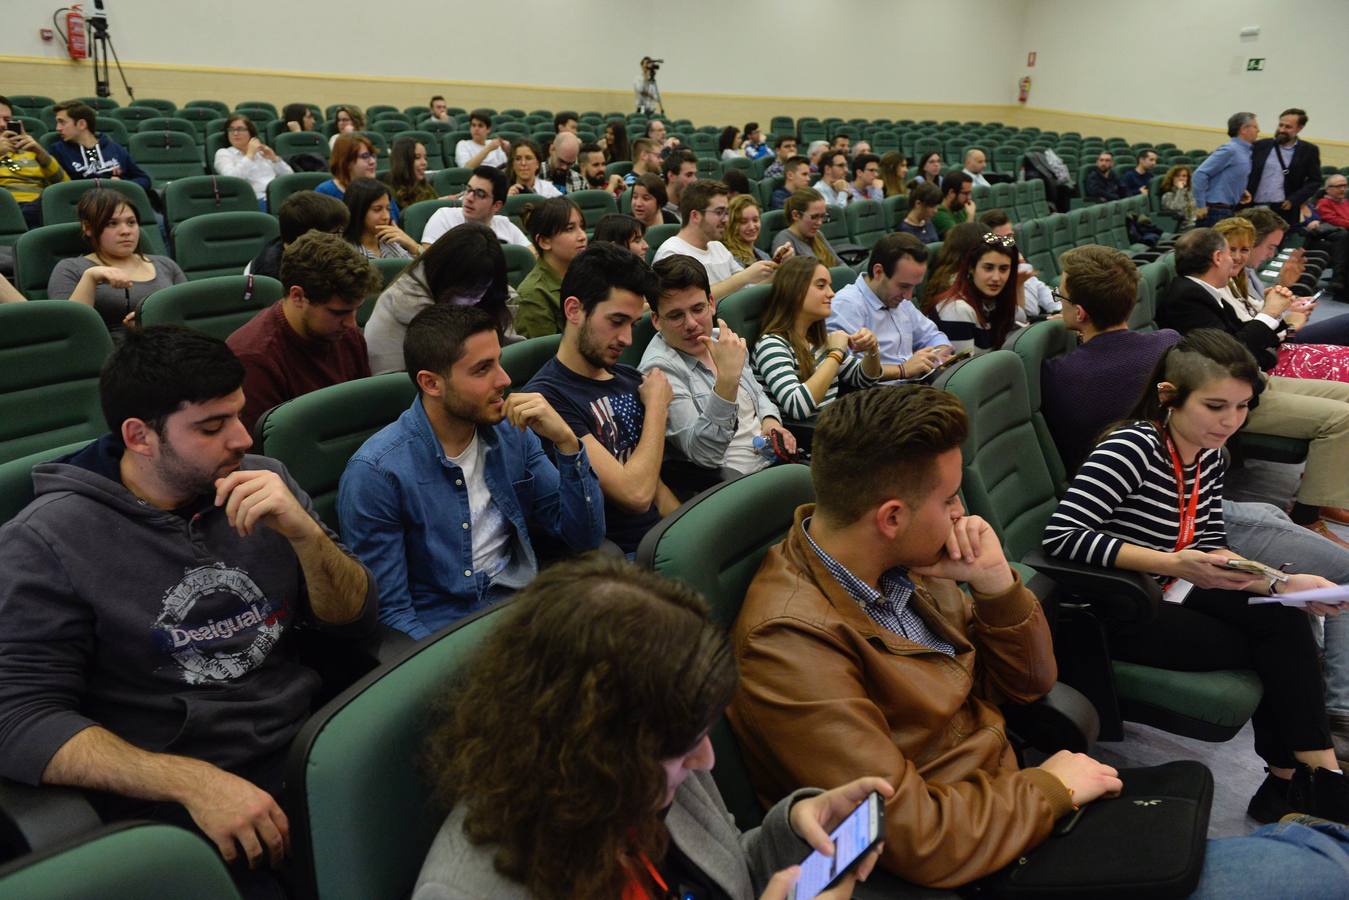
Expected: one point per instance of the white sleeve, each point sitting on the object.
(463, 152)
(438, 224)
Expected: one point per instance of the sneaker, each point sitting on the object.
(1330, 795)
(1270, 803)
(1321, 528)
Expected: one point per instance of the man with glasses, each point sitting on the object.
(833, 184)
(957, 205)
(866, 173)
(645, 160)
(561, 168)
(25, 165)
(483, 198)
(1333, 209)
(703, 210)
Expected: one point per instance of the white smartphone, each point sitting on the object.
(854, 838)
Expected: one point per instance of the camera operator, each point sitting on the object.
(648, 95)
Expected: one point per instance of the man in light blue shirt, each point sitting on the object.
(833, 184)
(440, 504)
(1220, 181)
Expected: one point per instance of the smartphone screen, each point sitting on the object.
(853, 838)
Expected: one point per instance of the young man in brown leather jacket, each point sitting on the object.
(860, 655)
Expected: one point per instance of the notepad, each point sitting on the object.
(1333, 596)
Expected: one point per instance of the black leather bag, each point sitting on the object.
(1147, 842)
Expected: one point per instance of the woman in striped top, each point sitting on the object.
(979, 309)
(798, 362)
(1149, 499)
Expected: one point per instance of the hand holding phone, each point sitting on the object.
(846, 848)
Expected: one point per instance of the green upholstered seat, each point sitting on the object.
(60, 202)
(523, 358)
(216, 306)
(222, 243)
(204, 195)
(282, 186)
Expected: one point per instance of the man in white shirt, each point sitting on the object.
(483, 199)
(975, 163)
(478, 150)
(702, 209)
(833, 184)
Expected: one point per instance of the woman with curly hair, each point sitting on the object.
(575, 755)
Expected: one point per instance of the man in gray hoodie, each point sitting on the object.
(148, 593)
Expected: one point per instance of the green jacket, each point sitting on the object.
(540, 311)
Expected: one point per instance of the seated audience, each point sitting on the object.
(1333, 207)
(25, 165)
(894, 173)
(439, 110)
(368, 227)
(483, 197)
(743, 226)
(1114, 514)
(924, 201)
(623, 230)
(557, 230)
(910, 345)
(565, 121)
(618, 802)
(116, 275)
(616, 146)
(650, 202)
(298, 117)
(526, 163)
(843, 143)
(729, 143)
(84, 153)
(1135, 181)
(806, 212)
(833, 184)
(591, 166)
(949, 256)
(477, 150)
(795, 177)
(797, 358)
(1101, 184)
(645, 160)
(1037, 299)
(309, 338)
(679, 170)
(703, 209)
(784, 148)
(165, 540)
(463, 267)
(1302, 408)
(247, 157)
(346, 121)
(957, 205)
(562, 169)
(930, 169)
(440, 503)
(718, 407)
(407, 172)
(302, 211)
(859, 148)
(979, 310)
(656, 133)
(353, 156)
(754, 146)
(866, 172)
(737, 183)
(618, 414)
(1177, 197)
(1270, 229)
(813, 153)
(974, 165)
(852, 628)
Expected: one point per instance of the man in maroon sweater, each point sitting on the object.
(308, 339)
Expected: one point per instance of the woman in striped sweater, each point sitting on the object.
(1149, 499)
(798, 362)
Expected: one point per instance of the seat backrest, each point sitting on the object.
(743, 311)
(16, 477)
(1041, 341)
(117, 861)
(866, 222)
(594, 205)
(896, 208)
(519, 260)
(187, 198)
(524, 358)
(315, 434)
(1082, 221)
(418, 214)
(1158, 275)
(290, 143)
(215, 306)
(1006, 477)
(657, 235)
(835, 227)
(38, 250)
(60, 203)
(643, 330)
(341, 823)
(50, 357)
(282, 186)
(773, 221)
(714, 543)
(12, 223)
(1144, 314)
(452, 180)
(222, 243)
(157, 149)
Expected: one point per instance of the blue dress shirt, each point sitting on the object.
(899, 330)
(1222, 177)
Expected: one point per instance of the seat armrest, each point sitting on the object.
(37, 818)
(1063, 719)
(1119, 595)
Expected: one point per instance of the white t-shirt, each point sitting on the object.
(448, 217)
(491, 534)
(740, 453)
(466, 150)
(716, 259)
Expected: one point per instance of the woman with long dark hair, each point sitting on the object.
(978, 310)
(407, 172)
(616, 146)
(369, 229)
(574, 755)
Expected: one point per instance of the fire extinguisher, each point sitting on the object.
(76, 43)
(1024, 84)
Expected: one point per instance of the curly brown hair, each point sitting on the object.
(554, 738)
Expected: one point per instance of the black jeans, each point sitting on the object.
(1217, 629)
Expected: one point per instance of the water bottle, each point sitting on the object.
(765, 447)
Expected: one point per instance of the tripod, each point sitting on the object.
(100, 45)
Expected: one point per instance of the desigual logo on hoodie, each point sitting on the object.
(217, 624)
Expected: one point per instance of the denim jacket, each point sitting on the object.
(404, 511)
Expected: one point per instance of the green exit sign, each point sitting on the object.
(1255, 64)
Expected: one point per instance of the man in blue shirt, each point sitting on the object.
(440, 503)
(1220, 181)
(1101, 184)
(1135, 181)
(911, 345)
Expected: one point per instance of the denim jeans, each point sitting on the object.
(1306, 862)
(1260, 531)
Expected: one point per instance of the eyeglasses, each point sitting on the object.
(365, 154)
(1000, 240)
(476, 192)
(236, 129)
(1058, 297)
(718, 212)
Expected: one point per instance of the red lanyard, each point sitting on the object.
(634, 890)
(1188, 509)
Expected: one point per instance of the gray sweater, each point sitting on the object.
(699, 825)
(112, 303)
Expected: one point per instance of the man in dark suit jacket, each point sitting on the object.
(1203, 267)
(1285, 172)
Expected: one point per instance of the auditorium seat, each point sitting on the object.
(215, 106)
(163, 107)
(132, 116)
(657, 235)
(221, 243)
(167, 155)
(215, 306)
(594, 205)
(866, 222)
(203, 195)
(523, 359)
(60, 203)
(282, 186)
(38, 250)
(418, 214)
(292, 143)
(12, 223)
(452, 180)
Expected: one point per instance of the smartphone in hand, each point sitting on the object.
(854, 838)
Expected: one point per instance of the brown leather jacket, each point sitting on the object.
(827, 695)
